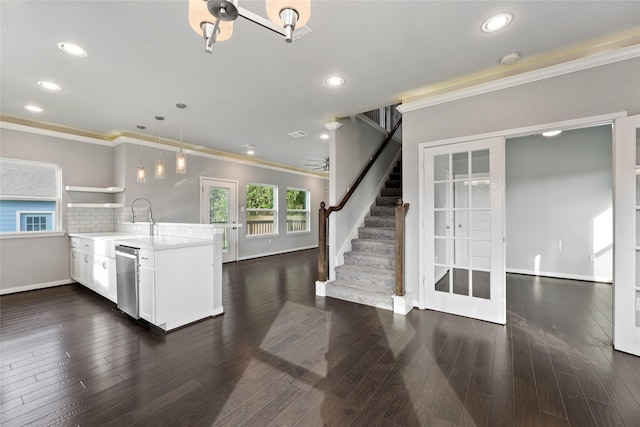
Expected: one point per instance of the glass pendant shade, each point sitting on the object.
(159, 167)
(140, 174)
(198, 14)
(302, 7)
(181, 162)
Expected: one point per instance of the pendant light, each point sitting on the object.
(159, 162)
(181, 157)
(140, 171)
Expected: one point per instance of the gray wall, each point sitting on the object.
(601, 90)
(177, 197)
(43, 260)
(26, 262)
(559, 204)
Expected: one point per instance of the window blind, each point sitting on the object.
(28, 179)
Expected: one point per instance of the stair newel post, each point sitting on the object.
(322, 243)
(400, 212)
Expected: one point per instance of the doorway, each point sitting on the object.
(219, 205)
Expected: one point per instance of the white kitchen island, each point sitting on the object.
(180, 278)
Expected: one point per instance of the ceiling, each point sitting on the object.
(143, 58)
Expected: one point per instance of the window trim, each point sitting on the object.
(34, 213)
(274, 210)
(307, 211)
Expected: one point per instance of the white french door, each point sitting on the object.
(219, 203)
(463, 245)
(626, 238)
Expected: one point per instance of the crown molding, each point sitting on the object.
(7, 122)
(569, 67)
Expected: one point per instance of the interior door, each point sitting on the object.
(463, 204)
(219, 206)
(626, 238)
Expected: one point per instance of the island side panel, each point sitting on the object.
(184, 285)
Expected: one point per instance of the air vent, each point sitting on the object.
(297, 134)
(301, 32)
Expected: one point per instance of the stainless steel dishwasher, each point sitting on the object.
(127, 279)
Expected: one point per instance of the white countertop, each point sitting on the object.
(157, 243)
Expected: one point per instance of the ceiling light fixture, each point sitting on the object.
(497, 22)
(159, 163)
(34, 108)
(181, 157)
(50, 86)
(324, 136)
(72, 49)
(551, 133)
(335, 81)
(213, 19)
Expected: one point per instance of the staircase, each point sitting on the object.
(368, 274)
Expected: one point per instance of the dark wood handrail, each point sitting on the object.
(368, 166)
(323, 268)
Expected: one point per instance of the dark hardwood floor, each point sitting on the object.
(279, 356)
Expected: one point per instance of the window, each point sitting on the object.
(297, 210)
(262, 209)
(30, 194)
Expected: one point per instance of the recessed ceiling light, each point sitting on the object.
(551, 133)
(497, 22)
(49, 86)
(72, 49)
(324, 136)
(33, 108)
(251, 152)
(335, 81)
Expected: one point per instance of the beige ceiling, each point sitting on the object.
(254, 89)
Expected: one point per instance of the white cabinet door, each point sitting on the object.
(147, 294)
(76, 264)
(104, 277)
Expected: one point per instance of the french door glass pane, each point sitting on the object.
(481, 281)
(480, 163)
(480, 224)
(461, 253)
(461, 194)
(442, 279)
(441, 221)
(441, 167)
(461, 281)
(460, 164)
(460, 223)
(440, 199)
(441, 251)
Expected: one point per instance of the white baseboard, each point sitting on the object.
(561, 275)
(321, 288)
(35, 286)
(242, 258)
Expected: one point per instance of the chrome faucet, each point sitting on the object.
(133, 215)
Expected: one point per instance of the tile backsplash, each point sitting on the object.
(90, 220)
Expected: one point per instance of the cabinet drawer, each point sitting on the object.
(147, 258)
(84, 244)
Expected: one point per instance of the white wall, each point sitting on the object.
(39, 262)
(601, 90)
(352, 146)
(559, 204)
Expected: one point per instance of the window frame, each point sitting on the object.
(34, 213)
(307, 210)
(57, 229)
(273, 210)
